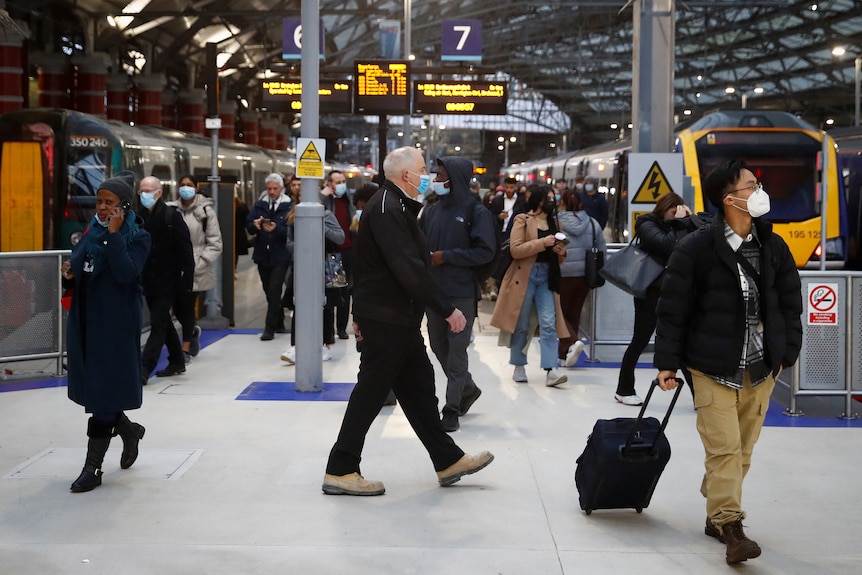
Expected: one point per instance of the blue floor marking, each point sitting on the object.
(286, 391)
(775, 418)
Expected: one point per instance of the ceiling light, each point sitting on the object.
(839, 51)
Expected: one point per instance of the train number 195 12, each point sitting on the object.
(88, 142)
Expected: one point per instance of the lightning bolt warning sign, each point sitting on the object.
(654, 186)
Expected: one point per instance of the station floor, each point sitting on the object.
(229, 474)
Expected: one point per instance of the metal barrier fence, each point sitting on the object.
(830, 361)
(31, 318)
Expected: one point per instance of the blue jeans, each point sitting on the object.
(542, 297)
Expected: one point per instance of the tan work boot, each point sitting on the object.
(465, 466)
(351, 484)
(739, 547)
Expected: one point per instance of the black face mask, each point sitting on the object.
(548, 207)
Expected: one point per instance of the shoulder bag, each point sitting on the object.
(632, 269)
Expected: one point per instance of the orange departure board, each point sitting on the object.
(280, 95)
(438, 97)
(382, 87)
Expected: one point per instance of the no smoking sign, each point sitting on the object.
(822, 304)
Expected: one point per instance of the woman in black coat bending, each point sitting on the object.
(659, 232)
(103, 337)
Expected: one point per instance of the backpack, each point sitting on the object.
(486, 270)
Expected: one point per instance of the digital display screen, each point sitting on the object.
(435, 97)
(286, 96)
(382, 87)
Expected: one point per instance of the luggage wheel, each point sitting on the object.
(588, 511)
(639, 509)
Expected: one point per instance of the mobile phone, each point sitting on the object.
(265, 221)
(126, 206)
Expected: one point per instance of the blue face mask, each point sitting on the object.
(424, 183)
(187, 192)
(557, 197)
(100, 222)
(440, 188)
(340, 189)
(589, 187)
(148, 199)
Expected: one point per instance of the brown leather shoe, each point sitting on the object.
(713, 531)
(351, 484)
(465, 466)
(739, 547)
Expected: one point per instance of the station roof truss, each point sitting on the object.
(568, 55)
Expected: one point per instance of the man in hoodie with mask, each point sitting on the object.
(461, 235)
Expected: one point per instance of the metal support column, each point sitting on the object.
(652, 74)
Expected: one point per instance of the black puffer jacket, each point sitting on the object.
(392, 281)
(701, 313)
(659, 236)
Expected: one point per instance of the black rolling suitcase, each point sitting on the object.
(623, 460)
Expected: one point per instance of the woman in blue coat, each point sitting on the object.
(103, 339)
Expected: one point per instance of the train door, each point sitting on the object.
(182, 163)
(21, 193)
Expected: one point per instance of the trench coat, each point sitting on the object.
(524, 245)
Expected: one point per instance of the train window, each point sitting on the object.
(87, 169)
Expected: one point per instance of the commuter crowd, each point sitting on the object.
(414, 248)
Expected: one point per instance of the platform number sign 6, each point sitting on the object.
(291, 39)
(462, 40)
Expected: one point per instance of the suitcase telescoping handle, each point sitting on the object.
(634, 430)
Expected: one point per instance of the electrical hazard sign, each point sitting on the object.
(654, 186)
(309, 163)
(822, 304)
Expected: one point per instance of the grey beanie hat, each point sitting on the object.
(123, 184)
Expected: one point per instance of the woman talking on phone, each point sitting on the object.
(103, 338)
(659, 231)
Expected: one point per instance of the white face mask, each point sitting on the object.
(358, 214)
(758, 202)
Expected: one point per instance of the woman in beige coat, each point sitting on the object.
(530, 286)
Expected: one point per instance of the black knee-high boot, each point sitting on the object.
(100, 434)
(131, 433)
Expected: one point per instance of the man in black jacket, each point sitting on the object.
(392, 289)
(729, 311)
(461, 236)
(170, 269)
(267, 221)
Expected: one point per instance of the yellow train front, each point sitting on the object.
(783, 152)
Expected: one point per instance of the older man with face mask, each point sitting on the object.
(170, 270)
(393, 287)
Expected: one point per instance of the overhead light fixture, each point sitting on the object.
(730, 90)
(758, 90)
(839, 51)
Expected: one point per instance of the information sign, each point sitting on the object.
(286, 96)
(382, 87)
(435, 97)
(291, 39)
(461, 41)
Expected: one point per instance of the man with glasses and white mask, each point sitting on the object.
(729, 311)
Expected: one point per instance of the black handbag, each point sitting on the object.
(594, 261)
(632, 269)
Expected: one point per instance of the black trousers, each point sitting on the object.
(393, 357)
(162, 332)
(645, 322)
(272, 280)
(185, 305)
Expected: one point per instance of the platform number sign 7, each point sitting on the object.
(461, 40)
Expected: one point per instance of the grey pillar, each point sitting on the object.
(308, 245)
(652, 86)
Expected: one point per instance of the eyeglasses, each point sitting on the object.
(757, 186)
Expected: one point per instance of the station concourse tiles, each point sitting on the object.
(228, 481)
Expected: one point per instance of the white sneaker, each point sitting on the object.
(634, 400)
(325, 355)
(290, 355)
(574, 353)
(555, 378)
(519, 376)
